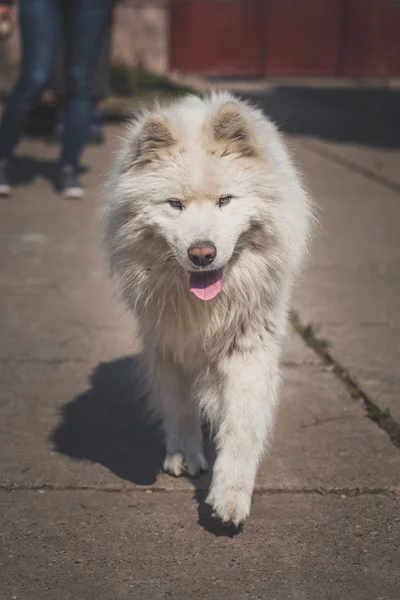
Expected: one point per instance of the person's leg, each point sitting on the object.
(85, 23)
(101, 85)
(96, 135)
(57, 86)
(39, 23)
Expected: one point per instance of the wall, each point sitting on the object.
(141, 33)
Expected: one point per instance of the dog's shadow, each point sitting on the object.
(109, 424)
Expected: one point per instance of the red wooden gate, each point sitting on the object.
(301, 37)
(216, 36)
(286, 37)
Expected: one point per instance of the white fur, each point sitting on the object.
(219, 358)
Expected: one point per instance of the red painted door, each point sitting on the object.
(216, 36)
(286, 37)
(302, 37)
(371, 38)
(390, 36)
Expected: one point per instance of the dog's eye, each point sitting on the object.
(177, 204)
(224, 200)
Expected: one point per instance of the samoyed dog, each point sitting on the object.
(206, 228)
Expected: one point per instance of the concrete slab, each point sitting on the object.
(384, 163)
(84, 512)
(371, 353)
(57, 299)
(61, 429)
(139, 546)
(68, 412)
(352, 285)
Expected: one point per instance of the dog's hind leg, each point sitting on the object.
(246, 420)
(181, 421)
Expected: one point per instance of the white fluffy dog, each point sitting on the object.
(206, 227)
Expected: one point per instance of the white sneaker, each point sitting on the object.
(68, 183)
(5, 187)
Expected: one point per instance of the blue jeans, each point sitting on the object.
(41, 21)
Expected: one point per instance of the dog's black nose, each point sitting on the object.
(202, 254)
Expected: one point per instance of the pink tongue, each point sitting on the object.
(206, 284)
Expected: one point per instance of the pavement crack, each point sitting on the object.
(41, 361)
(259, 491)
(382, 418)
(353, 166)
(316, 421)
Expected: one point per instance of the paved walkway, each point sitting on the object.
(84, 512)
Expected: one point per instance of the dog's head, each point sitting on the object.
(198, 186)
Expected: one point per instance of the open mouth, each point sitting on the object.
(206, 284)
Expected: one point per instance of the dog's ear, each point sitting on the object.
(155, 136)
(231, 129)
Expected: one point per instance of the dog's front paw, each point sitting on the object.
(179, 464)
(230, 505)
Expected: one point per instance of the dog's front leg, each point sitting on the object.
(173, 401)
(246, 421)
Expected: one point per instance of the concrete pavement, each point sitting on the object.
(97, 545)
(85, 512)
